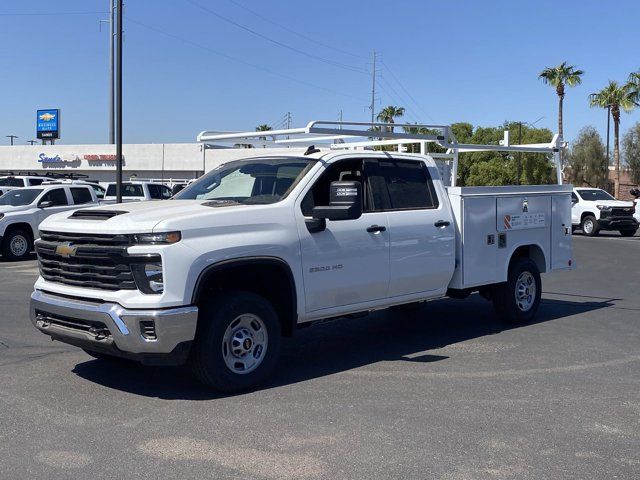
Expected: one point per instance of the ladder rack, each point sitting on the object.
(366, 135)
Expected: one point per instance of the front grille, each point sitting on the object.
(93, 327)
(622, 211)
(92, 261)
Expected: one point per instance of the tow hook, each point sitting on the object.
(99, 333)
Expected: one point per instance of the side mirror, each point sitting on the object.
(178, 187)
(345, 202)
(45, 204)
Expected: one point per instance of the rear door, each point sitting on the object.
(421, 227)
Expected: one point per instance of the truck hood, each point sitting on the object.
(133, 217)
(17, 208)
(610, 203)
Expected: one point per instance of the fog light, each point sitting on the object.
(153, 273)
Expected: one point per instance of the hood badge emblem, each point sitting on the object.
(66, 250)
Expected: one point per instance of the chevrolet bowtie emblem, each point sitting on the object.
(66, 250)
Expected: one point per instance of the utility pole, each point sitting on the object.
(32, 142)
(373, 90)
(519, 169)
(118, 105)
(288, 119)
(12, 137)
(111, 72)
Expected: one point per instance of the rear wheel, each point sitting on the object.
(517, 300)
(590, 226)
(17, 244)
(629, 232)
(237, 342)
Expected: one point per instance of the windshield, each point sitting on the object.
(24, 196)
(128, 190)
(11, 182)
(256, 181)
(595, 194)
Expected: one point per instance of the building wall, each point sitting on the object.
(157, 161)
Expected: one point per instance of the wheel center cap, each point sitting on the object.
(247, 343)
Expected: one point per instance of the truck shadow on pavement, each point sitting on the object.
(340, 345)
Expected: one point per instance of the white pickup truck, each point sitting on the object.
(22, 210)
(139, 191)
(593, 210)
(259, 246)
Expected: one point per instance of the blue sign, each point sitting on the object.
(48, 123)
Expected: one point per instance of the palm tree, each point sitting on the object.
(633, 84)
(388, 115)
(558, 77)
(263, 128)
(615, 97)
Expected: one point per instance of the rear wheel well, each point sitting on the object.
(534, 252)
(269, 278)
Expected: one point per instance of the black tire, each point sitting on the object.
(505, 303)
(14, 238)
(589, 226)
(207, 359)
(628, 233)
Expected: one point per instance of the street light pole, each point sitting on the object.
(118, 107)
(32, 142)
(12, 137)
(111, 71)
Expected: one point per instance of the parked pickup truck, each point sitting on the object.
(259, 246)
(22, 210)
(138, 191)
(10, 182)
(594, 209)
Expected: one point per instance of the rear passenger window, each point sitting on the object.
(81, 195)
(155, 192)
(35, 181)
(409, 184)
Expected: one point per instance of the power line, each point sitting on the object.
(276, 42)
(407, 92)
(234, 59)
(47, 14)
(301, 35)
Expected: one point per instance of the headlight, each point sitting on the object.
(157, 238)
(149, 277)
(603, 207)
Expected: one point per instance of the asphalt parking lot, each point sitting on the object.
(439, 392)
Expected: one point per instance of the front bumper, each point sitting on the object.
(617, 223)
(161, 336)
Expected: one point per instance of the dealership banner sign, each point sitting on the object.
(48, 124)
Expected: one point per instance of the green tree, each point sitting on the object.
(633, 84)
(631, 151)
(263, 128)
(389, 114)
(617, 97)
(558, 77)
(588, 159)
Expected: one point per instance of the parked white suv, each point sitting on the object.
(594, 210)
(139, 191)
(23, 209)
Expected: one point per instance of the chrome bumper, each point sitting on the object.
(78, 322)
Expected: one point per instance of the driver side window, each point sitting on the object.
(57, 196)
(345, 170)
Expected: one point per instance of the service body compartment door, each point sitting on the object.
(525, 220)
(561, 240)
(479, 240)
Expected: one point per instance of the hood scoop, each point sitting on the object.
(96, 214)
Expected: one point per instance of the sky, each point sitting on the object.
(193, 65)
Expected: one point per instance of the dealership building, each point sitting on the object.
(158, 161)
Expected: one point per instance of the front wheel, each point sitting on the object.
(590, 226)
(237, 342)
(517, 300)
(628, 233)
(16, 245)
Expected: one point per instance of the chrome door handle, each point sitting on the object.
(442, 223)
(376, 228)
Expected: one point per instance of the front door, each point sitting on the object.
(348, 262)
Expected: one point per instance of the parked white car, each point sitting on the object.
(139, 191)
(9, 182)
(593, 209)
(23, 209)
(99, 190)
